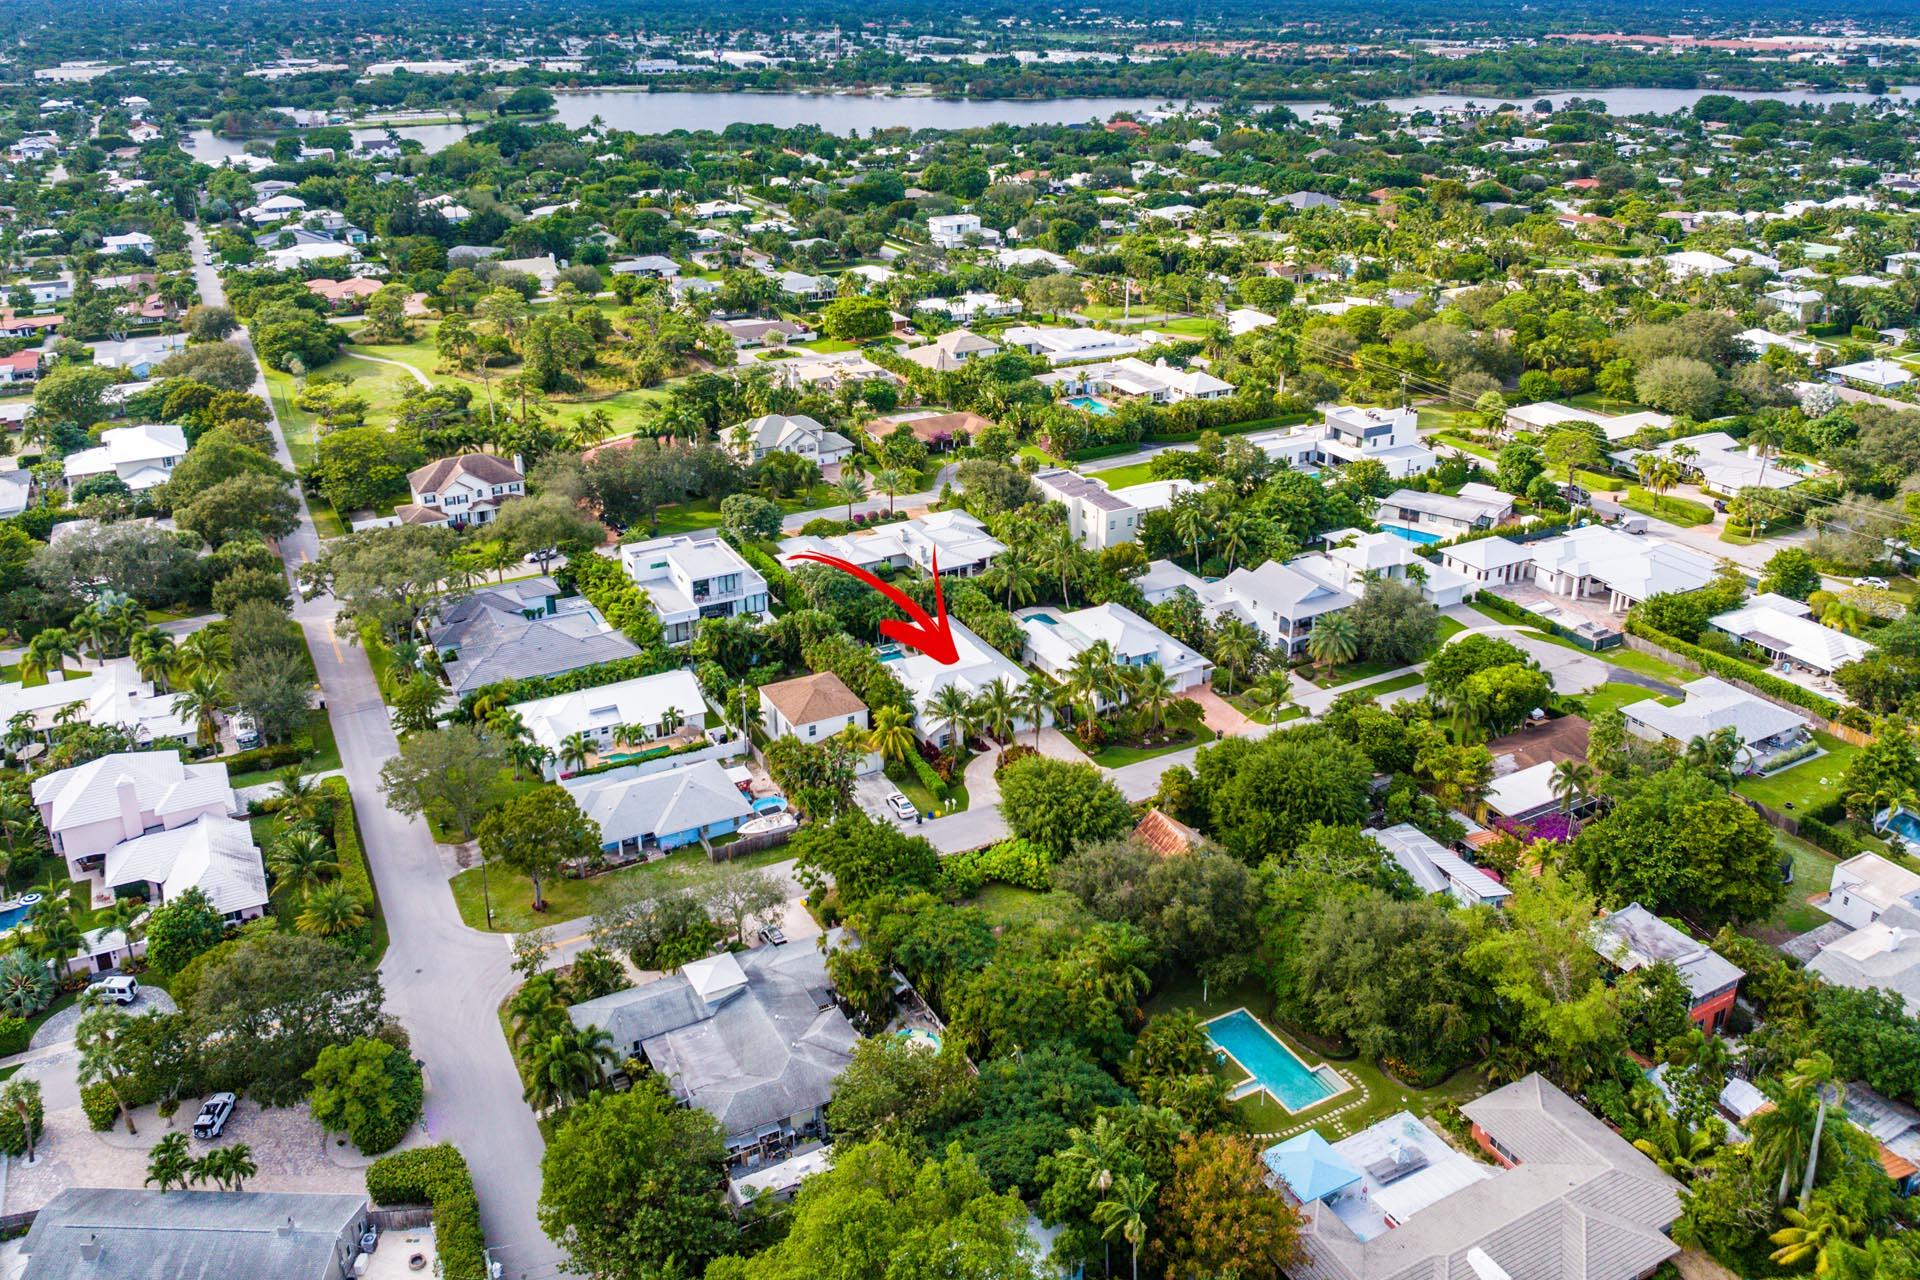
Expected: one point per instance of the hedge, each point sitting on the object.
(1015, 861)
(1229, 429)
(1514, 613)
(348, 849)
(13, 1134)
(1762, 681)
(528, 688)
(437, 1176)
(97, 1101)
(928, 778)
(1832, 839)
(15, 1036)
(277, 756)
(605, 584)
(1113, 450)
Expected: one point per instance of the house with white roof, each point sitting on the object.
(1011, 259)
(1066, 346)
(969, 307)
(1390, 437)
(791, 433)
(214, 854)
(1804, 305)
(1245, 320)
(1785, 630)
(978, 666)
(950, 230)
(1359, 558)
(627, 713)
(143, 457)
(691, 576)
(707, 210)
(1722, 462)
(112, 694)
(1281, 600)
(1437, 869)
(1694, 262)
(1595, 561)
(1765, 729)
(131, 242)
(1100, 517)
(1134, 379)
(1544, 415)
(274, 208)
(1884, 954)
(872, 549)
(92, 807)
(1055, 638)
(646, 814)
(951, 350)
(956, 540)
(1882, 375)
(1866, 886)
(1443, 514)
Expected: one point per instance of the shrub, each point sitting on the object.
(348, 850)
(928, 778)
(1012, 754)
(97, 1101)
(277, 756)
(15, 1033)
(437, 1176)
(1016, 862)
(13, 1132)
(368, 1090)
(510, 692)
(26, 983)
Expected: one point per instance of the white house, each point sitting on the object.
(131, 242)
(274, 208)
(969, 307)
(92, 807)
(688, 577)
(1489, 562)
(796, 433)
(1361, 558)
(1722, 463)
(1444, 515)
(1594, 560)
(1866, 885)
(1694, 262)
(1100, 517)
(143, 456)
(815, 708)
(1054, 639)
(1282, 601)
(978, 666)
(1785, 630)
(950, 230)
(960, 542)
(1131, 378)
(1544, 415)
(630, 712)
(651, 813)
(112, 694)
(1437, 869)
(469, 488)
(1064, 346)
(951, 350)
(1764, 728)
(214, 854)
(1882, 374)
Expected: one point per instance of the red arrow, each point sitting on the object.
(931, 636)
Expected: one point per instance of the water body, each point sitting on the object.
(657, 113)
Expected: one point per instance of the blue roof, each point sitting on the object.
(1310, 1167)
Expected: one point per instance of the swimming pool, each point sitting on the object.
(1411, 535)
(1270, 1064)
(1905, 825)
(14, 912)
(769, 804)
(1098, 408)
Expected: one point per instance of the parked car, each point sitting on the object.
(535, 557)
(246, 735)
(902, 807)
(120, 988)
(1874, 582)
(214, 1113)
(773, 935)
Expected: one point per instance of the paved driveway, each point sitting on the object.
(1569, 670)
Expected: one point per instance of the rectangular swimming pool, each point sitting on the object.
(1269, 1062)
(1411, 535)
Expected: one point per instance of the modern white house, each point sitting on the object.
(1765, 729)
(1390, 437)
(1359, 558)
(630, 712)
(1865, 886)
(647, 814)
(1055, 639)
(1883, 375)
(1444, 515)
(1066, 346)
(950, 230)
(959, 541)
(1281, 600)
(1131, 378)
(1785, 630)
(469, 488)
(972, 306)
(691, 576)
(90, 808)
(979, 665)
(1489, 562)
(143, 456)
(815, 708)
(131, 242)
(1100, 517)
(1695, 262)
(1595, 561)
(795, 433)
(1544, 415)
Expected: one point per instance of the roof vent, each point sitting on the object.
(90, 1251)
(286, 1229)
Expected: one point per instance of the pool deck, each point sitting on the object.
(1326, 1075)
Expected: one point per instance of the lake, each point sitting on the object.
(657, 113)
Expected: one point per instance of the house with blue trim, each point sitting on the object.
(640, 813)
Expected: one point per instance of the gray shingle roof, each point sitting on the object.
(191, 1235)
(494, 640)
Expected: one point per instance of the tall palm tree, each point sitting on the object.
(1235, 644)
(152, 651)
(56, 938)
(1190, 525)
(1059, 556)
(1572, 783)
(892, 734)
(952, 707)
(1124, 1212)
(1034, 700)
(47, 652)
(535, 1014)
(205, 650)
(1233, 536)
(1334, 640)
(567, 1066)
(852, 488)
(226, 1167)
(301, 861)
(1153, 694)
(331, 910)
(1011, 573)
(95, 1038)
(575, 749)
(200, 701)
(125, 915)
(893, 482)
(995, 710)
(1814, 1075)
(170, 1163)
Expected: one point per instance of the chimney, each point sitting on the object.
(90, 1251)
(127, 792)
(287, 1229)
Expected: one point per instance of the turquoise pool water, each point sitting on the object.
(1905, 825)
(1411, 535)
(1271, 1064)
(1098, 408)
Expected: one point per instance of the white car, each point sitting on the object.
(1874, 582)
(246, 735)
(902, 807)
(214, 1113)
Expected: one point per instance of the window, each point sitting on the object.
(813, 731)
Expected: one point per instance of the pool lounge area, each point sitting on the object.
(1270, 1065)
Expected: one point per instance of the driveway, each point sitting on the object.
(1568, 670)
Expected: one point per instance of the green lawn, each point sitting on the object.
(1807, 785)
(1119, 753)
(1459, 442)
(1122, 477)
(705, 514)
(1348, 672)
(1662, 506)
(1008, 905)
(1624, 658)
(903, 777)
(1812, 874)
(1601, 404)
(1406, 681)
(325, 755)
(1615, 694)
(570, 899)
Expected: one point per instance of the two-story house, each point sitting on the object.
(1099, 517)
(691, 576)
(1055, 639)
(1390, 437)
(791, 433)
(92, 807)
(462, 490)
(950, 230)
(817, 707)
(1634, 938)
(143, 457)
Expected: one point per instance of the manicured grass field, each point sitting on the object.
(1807, 785)
(1615, 694)
(1122, 477)
(325, 755)
(1812, 874)
(1008, 905)
(1118, 754)
(1663, 506)
(1459, 442)
(570, 899)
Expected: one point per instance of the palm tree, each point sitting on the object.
(1572, 783)
(56, 938)
(46, 653)
(1153, 694)
(1274, 690)
(995, 710)
(892, 734)
(22, 1097)
(153, 654)
(298, 796)
(205, 650)
(301, 861)
(851, 487)
(1015, 576)
(94, 1038)
(1124, 1212)
(1233, 536)
(1810, 1234)
(227, 1167)
(170, 1163)
(331, 910)
(1334, 640)
(893, 482)
(1235, 642)
(1034, 699)
(1058, 555)
(575, 749)
(200, 701)
(534, 1014)
(952, 706)
(125, 915)
(567, 1066)
(670, 721)
(1190, 525)
(1815, 1074)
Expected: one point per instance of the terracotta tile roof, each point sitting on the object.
(810, 698)
(929, 429)
(1166, 835)
(1897, 1165)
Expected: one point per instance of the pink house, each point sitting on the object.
(91, 808)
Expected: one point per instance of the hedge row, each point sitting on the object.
(1230, 429)
(1113, 450)
(1733, 669)
(13, 1133)
(277, 756)
(531, 687)
(1834, 840)
(1015, 861)
(15, 1035)
(349, 851)
(928, 778)
(770, 569)
(436, 1176)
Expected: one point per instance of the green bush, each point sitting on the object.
(13, 1133)
(511, 692)
(928, 778)
(348, 850)
(97, 1101)
(1832, 839)
(1016, 862)
(14, 1036)
(277, 756)
(437, 1176)
(605, 584)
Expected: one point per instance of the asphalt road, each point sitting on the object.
(444, 981)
